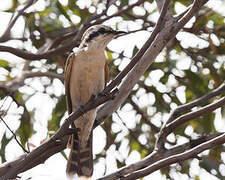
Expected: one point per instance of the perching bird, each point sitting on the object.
(86, 74)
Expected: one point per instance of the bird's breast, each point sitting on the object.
(87, 78)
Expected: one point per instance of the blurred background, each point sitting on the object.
(32, 96)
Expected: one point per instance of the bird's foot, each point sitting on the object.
(81, 108)
(92, 97)
(101, 94)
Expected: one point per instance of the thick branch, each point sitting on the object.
(159, 40)
(174, 121)
(135, 68)
(186, 117)
(177, 157)
(55, 144)
(165, 35)
(155, 156)
(67, 47)
(12, 86)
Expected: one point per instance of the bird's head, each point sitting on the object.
(99, 36)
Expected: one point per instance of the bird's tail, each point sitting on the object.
(80, 159)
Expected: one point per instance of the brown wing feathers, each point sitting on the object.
(80, 161)
(68, 70)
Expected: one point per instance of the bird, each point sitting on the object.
(86, 75)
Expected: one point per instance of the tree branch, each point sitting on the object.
(191, 115)
(156, 156)
(174, 121)
(187, 107)
(14, 135)
(12, 86)
(157, 42)
(6, 34)
(55, 144)
(177, 157)
(67, 47)
(134, 69)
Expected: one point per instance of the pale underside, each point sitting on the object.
(87, 78)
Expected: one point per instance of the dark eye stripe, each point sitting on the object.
(104, 31)
(100, 31)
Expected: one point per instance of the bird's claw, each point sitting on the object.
(101, 94)
(82, 108)
(92, 97)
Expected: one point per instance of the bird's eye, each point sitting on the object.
(101, 31)
(92, 35)
(104, 31)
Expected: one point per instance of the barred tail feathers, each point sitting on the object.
(80, 159)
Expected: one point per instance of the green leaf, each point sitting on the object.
(135, 50)
(220, 49)
(124, 3)
(14, 6)
(3, 63)
(196, 83)
(204, 124)
(72, 4)
(4, 142)
(57, 114)
(144, 153)
(218, 19)
(64, 155)
(109, 55)
(76, 12)
(184, 2)
(19, 98)
(26, 127)
(223, 111)
(200, 22)
(164, 79)
(135, 146)
(63, 11)
(119, 164)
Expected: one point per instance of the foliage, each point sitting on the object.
(187, 69)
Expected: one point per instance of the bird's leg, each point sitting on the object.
(112, 93)
(74, 131)
(81, 108)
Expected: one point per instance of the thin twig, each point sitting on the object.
(5, 98)
(156, 156)
(176, 158)
(14, 135)
(185, 108)
(68, 46)
(6, 34)
(144, 116)
(131, 132)
(168, 128)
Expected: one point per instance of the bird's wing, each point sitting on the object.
(68, 71)
(107, 73)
